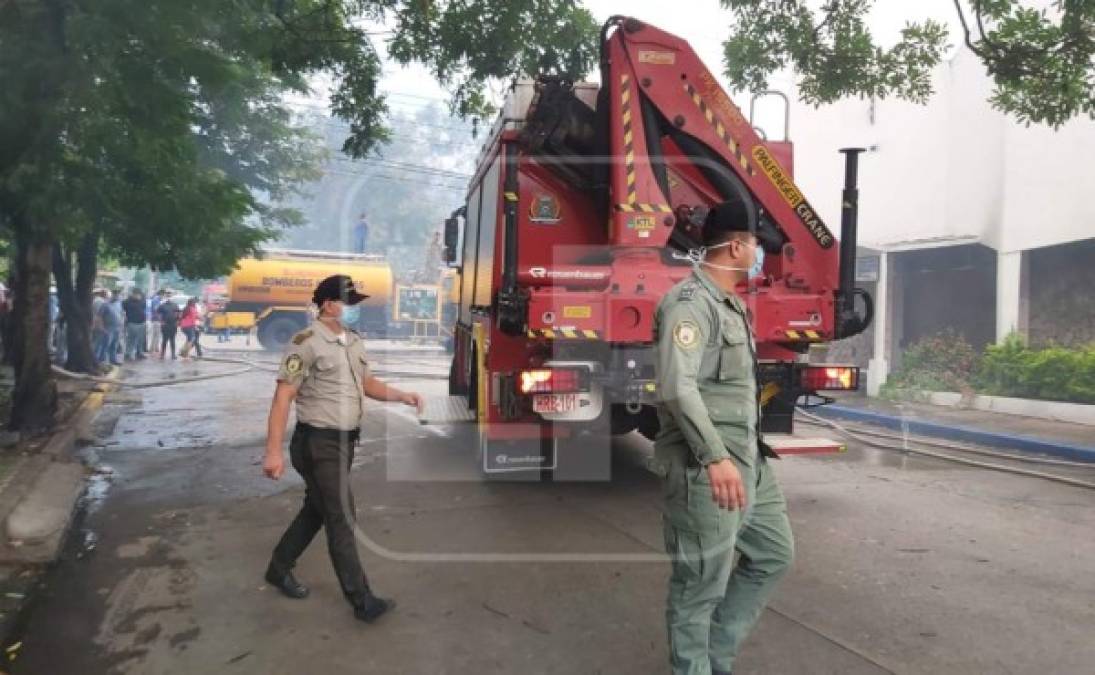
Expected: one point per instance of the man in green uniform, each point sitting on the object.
(325, 370)
(720, 493)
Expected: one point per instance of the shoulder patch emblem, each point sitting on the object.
(300, 337)
(686, 293)
(686, 334)
(294, 364)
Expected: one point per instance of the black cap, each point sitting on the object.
(731, 216)
(337, 287)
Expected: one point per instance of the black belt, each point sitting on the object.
(337, 434)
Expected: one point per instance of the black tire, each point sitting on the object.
(276, 333)
(454, 388)
(620, 421)
(473, 380)
(648, 423)
(645, 421)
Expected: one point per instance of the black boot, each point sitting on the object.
(368, 607)
(286, 582)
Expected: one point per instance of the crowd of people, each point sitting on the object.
(136, 327)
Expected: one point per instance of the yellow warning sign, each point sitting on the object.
(793, 196)
(577, 312)
(642, 225)
(657, 58)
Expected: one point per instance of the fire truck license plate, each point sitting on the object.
(554, 403)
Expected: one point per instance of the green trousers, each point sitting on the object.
(714, 603)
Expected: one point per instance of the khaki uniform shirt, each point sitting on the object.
(706, 361)
(330, 372)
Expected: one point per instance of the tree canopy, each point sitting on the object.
(1042, 61)
(162, 123)
(159, 129)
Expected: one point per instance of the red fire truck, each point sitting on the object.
(577, 221)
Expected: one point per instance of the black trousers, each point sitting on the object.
(167, 336)
(323, 457)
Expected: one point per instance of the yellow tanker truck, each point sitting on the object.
(276, 291)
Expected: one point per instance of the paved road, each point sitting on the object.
(903, 566)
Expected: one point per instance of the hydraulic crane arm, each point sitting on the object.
(679, 141)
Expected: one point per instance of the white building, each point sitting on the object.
(980, 223)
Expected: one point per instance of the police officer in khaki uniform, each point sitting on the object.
(325, 370)
(720, 494)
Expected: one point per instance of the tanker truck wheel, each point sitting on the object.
(275, 334)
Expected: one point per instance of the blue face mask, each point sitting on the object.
(758, 264)
(351, 316)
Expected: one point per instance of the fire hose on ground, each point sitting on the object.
(250, 365)
(98, 379)
(863, 438)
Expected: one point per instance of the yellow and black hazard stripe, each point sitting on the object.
(644, 208)
(629, 138)
(720, 130)
(564, 334)
(632, 204)
(802, 335)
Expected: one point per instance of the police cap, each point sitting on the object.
(337, 287)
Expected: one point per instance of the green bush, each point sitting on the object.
(946, 362)
(943, 362)
(1050, 373)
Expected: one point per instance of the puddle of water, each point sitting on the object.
(86, 544)
(98, 485)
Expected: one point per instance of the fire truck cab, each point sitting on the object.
(584, 203)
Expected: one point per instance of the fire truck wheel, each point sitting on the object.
(648, 424)
(645, 421)
(473, 382)
(454, 388)
(622, 422)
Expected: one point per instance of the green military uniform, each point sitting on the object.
(706, 360)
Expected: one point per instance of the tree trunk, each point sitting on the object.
(34, 400)
(76, 301)
(11, 326)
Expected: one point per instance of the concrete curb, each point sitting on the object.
(39, 521)
(1057, 411)
(960, 433)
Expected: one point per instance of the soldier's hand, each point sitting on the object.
(273, 465)
(413, 398)
(726, 487)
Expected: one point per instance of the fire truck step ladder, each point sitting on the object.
(446, 410)
(789, 444)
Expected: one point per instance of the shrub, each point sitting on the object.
(942, 362)
(1050, 373)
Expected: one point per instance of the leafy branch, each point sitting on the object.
(1042, 63)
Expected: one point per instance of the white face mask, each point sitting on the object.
(698, 256)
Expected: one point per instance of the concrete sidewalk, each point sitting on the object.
(1029, 434)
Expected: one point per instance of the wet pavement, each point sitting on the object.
(903, 565)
